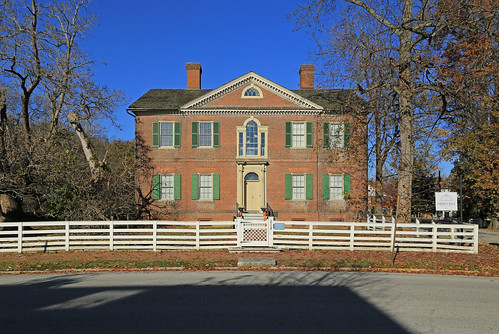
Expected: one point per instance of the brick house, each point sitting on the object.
(250, 144)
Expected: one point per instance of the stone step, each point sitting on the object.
(254, 250)
(256, 262)
(253, 216)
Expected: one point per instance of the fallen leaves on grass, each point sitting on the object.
(485, 263)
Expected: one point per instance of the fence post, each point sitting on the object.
(20, 238)
(198, 239)
(237, 225)
(310, 236)
(434, 238)
(111, 235)
(417, 228)
(270, 231)
(155, 235)
(352, 236)
(67, 236)
(475, 239)
(392, 234)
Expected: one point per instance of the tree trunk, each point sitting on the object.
(494, 222)
(3, 125)
(380, 161)
(404, 187)
(95, 165)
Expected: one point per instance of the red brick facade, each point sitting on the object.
(273, 161)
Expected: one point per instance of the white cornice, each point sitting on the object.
(254, 78)
(246, 112)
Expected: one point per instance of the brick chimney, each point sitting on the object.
(307, 76)
(193, 75)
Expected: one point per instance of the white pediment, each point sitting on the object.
(250, 78)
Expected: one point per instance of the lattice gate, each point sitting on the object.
(254, 233)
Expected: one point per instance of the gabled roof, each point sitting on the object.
(252, 78)
(194, 99)
(167, 98)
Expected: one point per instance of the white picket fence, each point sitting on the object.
(116, 235)
(376, 234)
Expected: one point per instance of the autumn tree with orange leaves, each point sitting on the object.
(468, 68)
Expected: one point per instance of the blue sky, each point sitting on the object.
(146, 45)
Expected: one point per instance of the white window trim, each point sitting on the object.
(342, 178)
(199, 187)
(173, 136)
(342, 135)
(261, 129)
(304, 187)
(252, 97)
(161, 187)
(199, 135)
(304, 135)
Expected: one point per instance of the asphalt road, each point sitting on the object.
(247, 302)
(487, 237)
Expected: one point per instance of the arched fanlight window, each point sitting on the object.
(252, 91)
(251, 177)
(251, 138)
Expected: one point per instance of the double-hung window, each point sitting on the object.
(298, 134)
(166, 187)
(298, 186)
(166, 134)
(335, 186)
(205, 134)
(336, 134)
(205, 186)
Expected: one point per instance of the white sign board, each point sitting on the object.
(446, 201)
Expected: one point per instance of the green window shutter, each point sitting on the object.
(155, 134)
(195, 137)
(325, 186)
(216, 134)
(216, 186)
(346, 184)
(310, 135)
(288, 193)
(325, 135)
(194, 186)
(155, 187)
(176, 187)
(177, 134)
(309, 183)
(347, 131)
(287, 139)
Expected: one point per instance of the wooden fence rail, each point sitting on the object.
(376, 234)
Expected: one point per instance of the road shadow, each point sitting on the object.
(54, 306)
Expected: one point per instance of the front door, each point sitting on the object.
(253, 200)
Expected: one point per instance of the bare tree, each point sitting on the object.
(406, 28)
(22, 41)
(69, 22)
(54, 103)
